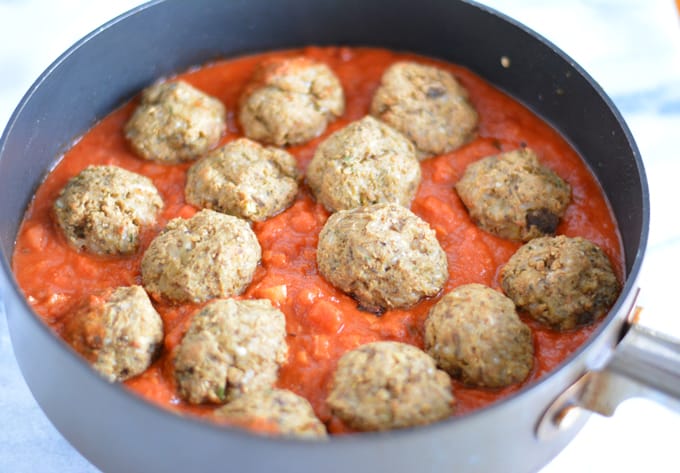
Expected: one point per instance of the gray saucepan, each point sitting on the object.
(119, 432)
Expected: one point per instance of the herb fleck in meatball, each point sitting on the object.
(475, 335)
(244, 179)
(513, 196)
(560, 281)
(290, 101)
(104, 208)
(209, 255)
(367, 162)
(389, 385)
(118, 332)
(281, 411)
(231, 348)
(175, 122)
(428, 105)
(383, 255)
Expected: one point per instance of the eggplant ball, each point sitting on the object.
(290, 101)
(281, 411)
(209, 255)
(367, 162)
(560, 281)
(231, 349)
(383, 255)
(428, 105)
(118, 332)
(104, 208)
(389, 385)
(175, 122)
(513, 196)
(244, 179)
(475, 335)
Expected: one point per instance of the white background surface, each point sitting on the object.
(631, 47)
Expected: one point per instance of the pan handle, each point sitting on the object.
(645, 363)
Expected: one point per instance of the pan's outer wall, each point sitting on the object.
(118, 432)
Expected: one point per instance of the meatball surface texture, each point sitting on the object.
(206, 256)
(290, 101)
(103, 209)
(175, 122)
(367, 162)
(383, 255)
(560, 281)
(231, 348)
(513, 196)
(244, 179)
(428, 105)
(475, 335)
(119, 332)
(281, 411)
(389, 385)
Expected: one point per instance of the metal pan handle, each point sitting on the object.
(645, 363)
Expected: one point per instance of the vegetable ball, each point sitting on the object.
(231, 348)
(290, 101)
(475, 335)
(244, 179)
(118, 332)
(428, 105)
(175, 122)
(209, 255)
(277, 411)
(104, 208)
(561, 282)
(389, 385)
(383, 255)
(513, 196)
(367, 162)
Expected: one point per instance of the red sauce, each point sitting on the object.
(322, 322)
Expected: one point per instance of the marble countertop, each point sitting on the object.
(631, 47)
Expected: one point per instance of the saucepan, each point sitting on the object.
(117, 431)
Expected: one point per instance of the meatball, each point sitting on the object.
(383, 255)
(118, 332)
(231, 348)
(513, 196)
(389, 385)
(104, 208)
(290, 101)
(426, 104)
(367, 162)
(209, 255)
(561, 282)
(175, 122)
(244, 179)
(475, 335)
(278, 411)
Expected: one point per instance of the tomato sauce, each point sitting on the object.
(322, 322)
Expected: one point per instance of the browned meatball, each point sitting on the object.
(209, 255)
(290, 101)
(513, 196)
(367, 162)
(231, 348)
(383, 255)
(428, 105)
(175, 122)
(244, 179)
(279, 411)
(104, 208)
(118, 332)
(475, 335)
(389, 385)
(560, 281)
